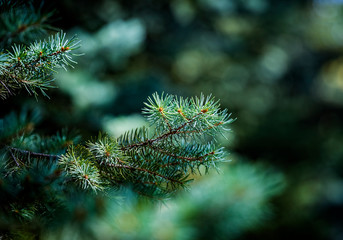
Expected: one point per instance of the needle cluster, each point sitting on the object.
(31, 67)
(155, 162)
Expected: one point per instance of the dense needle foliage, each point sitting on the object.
(155, 164)
(38, 172)
(32, 67)
(61, 186)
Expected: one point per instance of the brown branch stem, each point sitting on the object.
(178, 156)
(14, 158)
(3, 84)
(132, 168)
(33, 153)
(165, 135)
(30, 64)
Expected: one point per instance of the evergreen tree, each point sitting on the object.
(39, 172)
(48, 182)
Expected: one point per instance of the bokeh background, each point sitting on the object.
(276, 65)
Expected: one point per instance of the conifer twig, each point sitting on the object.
(31, 67)
(14, 158)
(132, 168)
(154, 166)
(35, 154)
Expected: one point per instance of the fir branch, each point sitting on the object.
(183, 158)
(19, 145)
(21, 124)
(159, 164)
(4, 85)
(21, 22)
(14, 158)
(31, 67)
(161, 137)
(77, 163)
(132, 168)
(35, 154)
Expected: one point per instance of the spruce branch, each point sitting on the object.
(18, 124)
(20, 146)
(154, 164)
(154, 161)
(31, 67)
(30, 153)
(22, 22)
(78, 164)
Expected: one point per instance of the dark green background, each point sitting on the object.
(276, 65)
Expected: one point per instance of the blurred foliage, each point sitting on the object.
(208, 211)
(277, 65)
(22, 21)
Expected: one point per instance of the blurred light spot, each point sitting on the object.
(307, 193)
(121, 38)
(273, 63)
(326, 27)
(183, 11)
(84, 89)
(116, 126)
(233, 25)
(115, 42)
(326, 12)
(109, 10)
(328, 2)
(257, 6)
(221, 6)
(193, 65)
(329, 85)
(128, 222)
(188, 65)
(334, 191)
